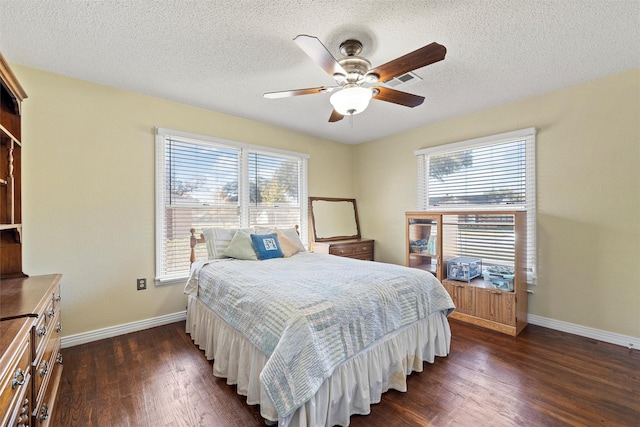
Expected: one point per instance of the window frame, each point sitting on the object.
(162, 135)
(529, 136)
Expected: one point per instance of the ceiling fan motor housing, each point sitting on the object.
(355, 66)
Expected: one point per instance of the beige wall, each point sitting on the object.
(588, 195)
(89, 193)
(88, 202)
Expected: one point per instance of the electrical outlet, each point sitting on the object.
(141, 284)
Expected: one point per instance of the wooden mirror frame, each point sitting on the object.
(333, 238)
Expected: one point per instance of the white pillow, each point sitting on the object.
(217, 240)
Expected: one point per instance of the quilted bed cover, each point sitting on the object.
(311, 312)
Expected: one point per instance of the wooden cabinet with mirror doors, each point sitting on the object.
(490, 247)
(423, 248)
(336, 228)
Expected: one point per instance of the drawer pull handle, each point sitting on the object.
(23, 421)
(59, 359)
(52, 313)
(44, 412)
(58, 327)
(365, 248)
(18, 378)
(42, 331)
(44, 368)
(341, 251)
(58, 298)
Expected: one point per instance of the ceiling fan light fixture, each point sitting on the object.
(351, 100)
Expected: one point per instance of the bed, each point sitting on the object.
(312, 338)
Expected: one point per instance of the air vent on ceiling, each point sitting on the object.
(402, 80)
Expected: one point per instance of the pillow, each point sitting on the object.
(266, 246)
(217, 239)
(291, 234)
(241, 247)
(288, 247)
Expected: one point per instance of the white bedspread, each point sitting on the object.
(311, 312)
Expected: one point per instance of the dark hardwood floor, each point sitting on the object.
(543, 377)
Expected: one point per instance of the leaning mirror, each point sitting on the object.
(334, 219)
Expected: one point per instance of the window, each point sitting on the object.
(491, 173)
(207, 182)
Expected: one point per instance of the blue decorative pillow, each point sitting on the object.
(266, 246)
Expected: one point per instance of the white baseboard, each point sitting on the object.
(583, 331)
(113, 331)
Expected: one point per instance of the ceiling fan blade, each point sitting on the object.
(397, 97)
(313, 47)
(296, 92)
(335, 117)
(422, 57)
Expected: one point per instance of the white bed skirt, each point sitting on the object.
(354, 386)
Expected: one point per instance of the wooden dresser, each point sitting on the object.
(31, 362)
(352, 248)
(30, 359)
(336, 228)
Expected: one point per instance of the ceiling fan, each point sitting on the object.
(352, 72)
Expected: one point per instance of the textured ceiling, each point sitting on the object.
(223, 55)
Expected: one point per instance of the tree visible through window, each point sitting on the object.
(203, 182)
(491, 173)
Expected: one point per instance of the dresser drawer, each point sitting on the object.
(351, 249)
(46, 378)
(43, 327)
(15, 384)
(45, 361)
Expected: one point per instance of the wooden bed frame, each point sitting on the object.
(194, 241)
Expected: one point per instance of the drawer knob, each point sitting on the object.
(58, 298)
(59, 327)
(59, 359)
(52, 313)
(44, 368)
(341, 251)
(42, 331)
(44, 412)
(364, 248)
(18, 378)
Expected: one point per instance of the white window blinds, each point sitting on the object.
(204, 182)
(274, 189)
(490, 237)
(490, 173)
